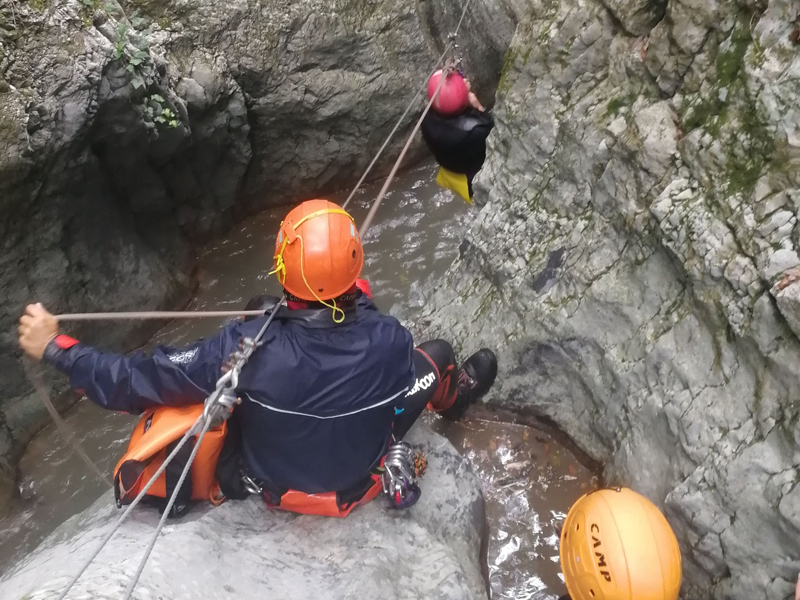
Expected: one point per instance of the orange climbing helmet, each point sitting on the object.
(453, 96)
(616, 545)
(318, 253)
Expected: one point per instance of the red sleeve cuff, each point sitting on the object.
(363, 285)
(65, 342)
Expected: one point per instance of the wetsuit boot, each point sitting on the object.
(475, 377)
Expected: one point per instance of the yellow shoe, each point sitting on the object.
(456, 182)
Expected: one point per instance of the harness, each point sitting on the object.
(328, 504)
(159, 430)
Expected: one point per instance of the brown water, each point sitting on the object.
(529, 482)
(529, 479)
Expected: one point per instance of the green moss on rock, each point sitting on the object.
(710, 113)
(39, 5)
(749, 152)
(616, 104)
(508, 62)
(731, 61)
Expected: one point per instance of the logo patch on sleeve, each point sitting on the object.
(184, 357)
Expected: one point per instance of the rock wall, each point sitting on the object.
(635, 264)
(482, 40)
(130, 131)
(242, 549)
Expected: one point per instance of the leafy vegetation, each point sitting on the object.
(158, 113)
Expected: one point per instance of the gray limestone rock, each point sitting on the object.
(638, 17)
(634, 264)
(241, 549)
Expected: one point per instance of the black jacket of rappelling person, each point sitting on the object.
(455, 130)
(334, 383)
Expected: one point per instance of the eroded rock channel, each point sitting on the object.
(634, 260)
(528, 478)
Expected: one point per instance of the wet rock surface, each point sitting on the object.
(242, 549)
(482, 41)
(635, 264)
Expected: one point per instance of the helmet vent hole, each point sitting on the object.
(320, 290)
(577, 527)
(592, 593)
(354, 253)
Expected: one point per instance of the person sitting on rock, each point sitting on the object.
(616, 545)
(455, 130)
(333, 386)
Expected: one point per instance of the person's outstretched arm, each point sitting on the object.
(473, 99)
(165, 377)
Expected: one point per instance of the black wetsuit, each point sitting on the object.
(459, 143)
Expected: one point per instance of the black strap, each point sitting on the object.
(172, 474)
(317, 317)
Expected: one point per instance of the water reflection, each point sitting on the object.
(529, 482)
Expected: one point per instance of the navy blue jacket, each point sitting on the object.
(318, 398)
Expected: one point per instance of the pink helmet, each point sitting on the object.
(453, 96)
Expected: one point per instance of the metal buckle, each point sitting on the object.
(250, 485)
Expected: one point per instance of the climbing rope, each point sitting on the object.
(218, 405)
(191, 431)
(35, 377)
(452, 66)
(375, 205)
(396, 127)
(157, 314)
(451, 45)
(165, 514)
(454, 35)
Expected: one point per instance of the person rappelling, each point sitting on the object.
(326, 399)
(455, 130)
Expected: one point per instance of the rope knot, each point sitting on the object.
(280, 267)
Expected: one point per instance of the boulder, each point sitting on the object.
(241, 549)
(634, 264)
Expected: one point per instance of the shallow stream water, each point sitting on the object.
(529, 478)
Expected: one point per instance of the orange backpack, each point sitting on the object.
(154, 438)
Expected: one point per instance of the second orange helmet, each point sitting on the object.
(318, 252)
(616, 545)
